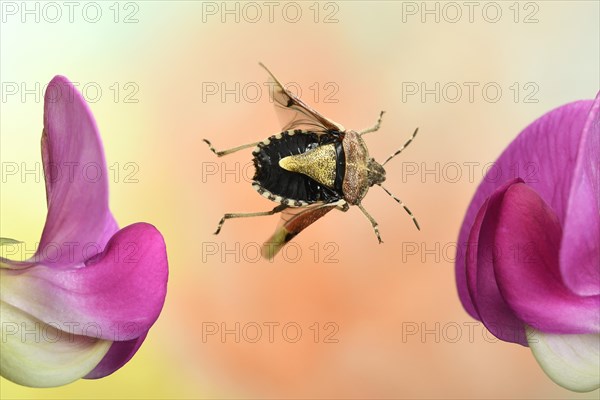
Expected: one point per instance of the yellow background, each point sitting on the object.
(374, 292)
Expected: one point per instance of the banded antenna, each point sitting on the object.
(403, 205)
(405, 145)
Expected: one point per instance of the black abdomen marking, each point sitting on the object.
(292, 185)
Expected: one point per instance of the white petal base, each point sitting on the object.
(35, 354)
(572, 361)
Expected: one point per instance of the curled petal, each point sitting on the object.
(544, 157)
(469, 234)
(39, 355)
(580, 246)
(472, 250)
(87, 285)
(118, 355)
(116, 295)
(491, 307)
(76, 179)
(529, 234)
(572, 361)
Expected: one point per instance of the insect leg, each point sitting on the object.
(343, 206)
(374, 127)
(277, 209)
(404, 206)
(373, 222)
(229, 151)
(403, 147)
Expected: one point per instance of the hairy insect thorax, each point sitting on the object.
(362, 172)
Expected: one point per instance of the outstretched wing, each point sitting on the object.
(295, 114)
(292, 222)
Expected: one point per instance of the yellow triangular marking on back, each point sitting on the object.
(319, 164)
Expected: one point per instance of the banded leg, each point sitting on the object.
(374, 127)
(405, 145)
(403, 205)
(277, 209)
(343, 206)
(229, 151)
(373, 222)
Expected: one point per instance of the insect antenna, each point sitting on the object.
(403, 205)
(401, 148)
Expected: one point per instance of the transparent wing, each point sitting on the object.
(293, 221)
(293, 113)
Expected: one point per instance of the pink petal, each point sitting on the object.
(529, 276)
(118, 355)
(471, 258)
(580, 246)
(466, 268)
(491, 307)
(544, 156)
(116, 295)
(79, 222)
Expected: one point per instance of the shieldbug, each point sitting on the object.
(311, 167)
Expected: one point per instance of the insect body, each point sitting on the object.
(297, 167)
(313, 166)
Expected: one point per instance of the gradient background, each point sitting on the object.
(374, 292)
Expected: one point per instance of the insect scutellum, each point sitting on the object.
(313, 166)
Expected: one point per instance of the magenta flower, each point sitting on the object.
(83, 305)
(529, 260)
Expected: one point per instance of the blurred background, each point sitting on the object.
(335, 315)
